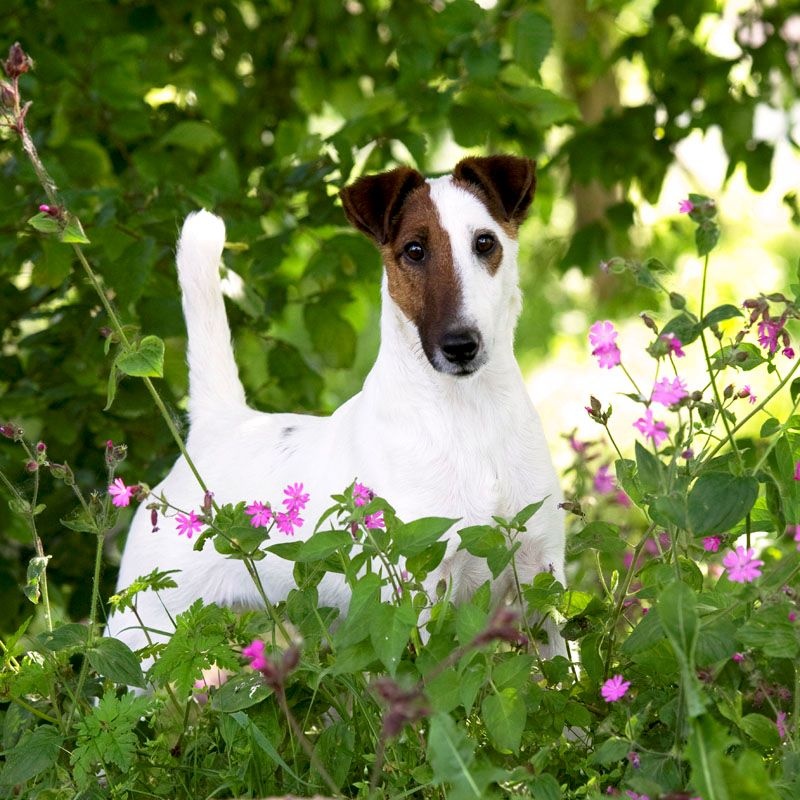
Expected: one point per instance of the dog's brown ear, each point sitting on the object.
(508, 183)
(373, 202)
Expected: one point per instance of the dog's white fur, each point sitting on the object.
(433, 444)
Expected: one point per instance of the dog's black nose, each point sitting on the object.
(460, 347)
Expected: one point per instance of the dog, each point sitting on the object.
(443, 425)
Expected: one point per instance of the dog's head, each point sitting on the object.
(449, 247)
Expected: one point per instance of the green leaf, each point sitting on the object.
(684, 326)
(450, 753)
(44, 223)
(504, 716)
(601, 536)
(192, 135)
(240, 692)
(521, 519)
(649, 468)
(730, 356)
(413, 538)
(111, 387)
(357, 625)
(392, 625)
(421, 565)
(332, 336)
(322, 544)
(706, 236)
(114, 660)
(73, 232)
(720, 313)
(718, 500)
(533, 38)
(677, 610)
(628, 480)
(544, 787)
(35, 752)
(705, 752)
(770, 630)
(611, 751)
(762, 729)
(143, 360)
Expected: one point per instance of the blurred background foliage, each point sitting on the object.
(261, 111)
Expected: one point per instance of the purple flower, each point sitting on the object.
(602, 338)
(711, 544)
(286, 523)
(685, 207)
(742, 566)
(633, 759)
(120, 493)
(295, 500)
(780, 724)
(738, 657)
(260, 514)
(674, 345)
(669, 392)
(788, 352)
(373, 521)
(254, 653)
(604, 480)
(796, 534)
(361, 494)
(614, 689)
(768, 332)
(797, 471)
(188, 525)
(650, 428)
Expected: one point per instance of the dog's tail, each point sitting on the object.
(214, 385)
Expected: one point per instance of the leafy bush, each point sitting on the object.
(686, 681)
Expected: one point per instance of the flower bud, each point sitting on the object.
(18, 61)
(41, 447)
(208, 503)
(727, 392)
(677, 301)
(32, 466)
(649, 322)
(154, 519)
(8, 96)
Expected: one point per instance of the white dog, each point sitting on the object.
(443, 426)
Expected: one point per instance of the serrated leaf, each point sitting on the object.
(143, 360)
(114, 660)
(35, 752)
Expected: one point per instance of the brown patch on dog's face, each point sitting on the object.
(420, 270)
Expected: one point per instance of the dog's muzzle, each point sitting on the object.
(462, 350)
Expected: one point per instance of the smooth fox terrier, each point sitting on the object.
(443, 426)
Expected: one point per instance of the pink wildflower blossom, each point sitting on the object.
(768, 332)
(614, 689)
(260, 514)
(674, 345)
(668, 392)
(604, 480)
(254, 653)
(361, 494)
(780, 724)
(650, 428)
(120, 493)
(188, 525)
(602, 338)
(295, 500)
(286, 523)
(634, 796)
(797, 471)
(711, 544)
(788, 352)
(623, 499)
(797, 535)
(742, 566)
(792, 616)
(374, 521)
(633, 759)
(738, 657)
(685, 207)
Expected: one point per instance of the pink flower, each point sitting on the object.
(623, 499)
(668, 392)
(602, 338)
(797, 471)
(604, 480)
(738, 657)
(685, 206)
(286, 523)
(792, 616)
(780, 724)
(614, 689)
(634, 796)
(746, 391)
(361, 494)
(796, 535)
(189, 525)
(374, 521)
(743, 567)
(653, 429)
(260, 514)
(295, 500)
(120, 493)
(711, 544)
(674, 345)
(788, 352)
(633, 759)
(768, 332)
(254, 653)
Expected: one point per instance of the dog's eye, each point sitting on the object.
(484, 243)
(414, 251)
